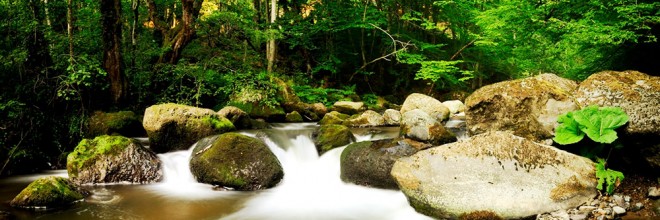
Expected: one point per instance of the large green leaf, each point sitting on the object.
(568, 131)
(599, 123)
(611, 178)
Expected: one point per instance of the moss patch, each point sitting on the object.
(50, 192)
(219, 124)
(328, 137)
(89, 149)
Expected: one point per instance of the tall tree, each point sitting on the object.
(177, 36)
(271, 47)
(112, 61)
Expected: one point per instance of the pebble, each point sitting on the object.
(618, 210)
(653, 192)
(638, 206)
(626, 198)
(585, 209)
(618, 200)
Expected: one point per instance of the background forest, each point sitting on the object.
(62, 60)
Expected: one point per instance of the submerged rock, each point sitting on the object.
(236, 161)
(368, 118)
(293, 116)
(418, 125)
(369, 163)
(49, 193)
(528, 107)
(333, 117)
(112, 159)
(511, 176)
(328, 137)
(173, 127)
(124, 123)
(428, 104)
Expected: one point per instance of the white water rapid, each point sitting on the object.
(311, 188)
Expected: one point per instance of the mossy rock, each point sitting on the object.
(173, 127)
(236, 161)
(238, 117)
(112, 159)
(328, 137)
(293, 116)
(310, 112)
(369, 163)
(420, 126)
(348, 107)
(48, 192)
(334, 117)
(124, 123)
(368, 118)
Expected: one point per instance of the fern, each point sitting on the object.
(611, 178)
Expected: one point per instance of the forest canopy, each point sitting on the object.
(61, 60)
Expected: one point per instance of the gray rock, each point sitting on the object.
(638, 206)
(418, 125)
(392, 117)
(368, 118)
(347, 107)
(618, 200)
(328, 137)
(618, 210)
(113, 159)
(528, 107)
(495, 171)
(428, 104)
(369, 163)
(454, 106)
(238, 117)
(578, 217)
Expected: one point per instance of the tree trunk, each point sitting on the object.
(69, 28)
(179, 36)
(270, 48)
(112, 61)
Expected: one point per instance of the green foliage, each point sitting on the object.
(371, 100)
(611, 178)
(327, 96)
(82, 74)
(597, 123)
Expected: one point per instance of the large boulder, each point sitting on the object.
(112, 159)
(368, 118)
(293, 116)
(328, 137)
(392, 117)
(49, 192)
(369, 163)
(333, 118)
(124, 123)
(173, 127)
(495, 171)
(418, 125)
(428, 104)
(309, 112)
(638, 94)
(528, 107)
(236, 161)
(348, 107)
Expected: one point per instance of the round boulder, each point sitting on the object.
(369, 163)
(454, 106)
(512, 177)
(124, 123)
(293, 116)
(392, 117)
(173, 127)
(347, 107)
(528, 107)
(236, 161)
(428, 104)
(334, 117)
(328, 137)
(49, 192)
(112, 159)
(368, 118)
(418, 125)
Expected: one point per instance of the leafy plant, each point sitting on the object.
(597, 123)
(327, 96)
(611, 178)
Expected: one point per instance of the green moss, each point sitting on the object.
(333, 117)
(220, 124)
(354, 146)
(294, 116)
(88, 150)
(47, 191)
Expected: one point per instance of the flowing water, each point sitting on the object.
(311, 189)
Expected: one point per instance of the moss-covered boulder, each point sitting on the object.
(236, 161)
(293, 116)
(348, 107)
(238, 117)
(309, 112)
(368, 118)
(418, 125)
(258, 104)
(113, 159)
(369, 163)
(333, 117)
(328, 137)
(48, 192)
(173, 127)
(124, 123)
(428, 104)
(528, 107)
